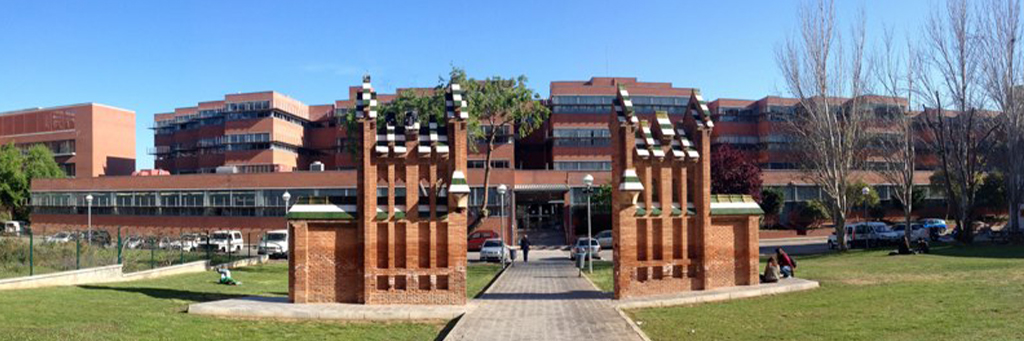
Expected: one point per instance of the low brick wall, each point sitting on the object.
(115, 273)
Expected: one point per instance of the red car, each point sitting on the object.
(477, 238)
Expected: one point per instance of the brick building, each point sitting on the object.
(758, 128)
(87, 140)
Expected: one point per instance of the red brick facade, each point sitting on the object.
(662, 248)
(391, 254)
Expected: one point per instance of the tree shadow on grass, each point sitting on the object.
(161, 293)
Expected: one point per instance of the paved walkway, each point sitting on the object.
(543, 300)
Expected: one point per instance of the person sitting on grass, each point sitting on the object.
(903, 249)
(786, 263)
(225, 277)
(771, 271)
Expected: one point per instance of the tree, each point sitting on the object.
(13, 182)
(992, 192)
(855, 193)
(496, 103)
(812, 213)
(1003, 74)
(820, 68)
(772, 200)
(961, 138)
(896, 141)
(732, 172)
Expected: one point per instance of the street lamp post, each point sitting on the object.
(588, 180)
(88, 201)
(502, 189)
(286, 197)
(864, 200)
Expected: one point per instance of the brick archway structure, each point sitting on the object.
(670, 233)
(404, 240)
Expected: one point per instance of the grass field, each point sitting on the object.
(155, 309)
(478, 276)
(955, 293)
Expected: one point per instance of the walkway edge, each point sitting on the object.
(460, 318)
(632, 324)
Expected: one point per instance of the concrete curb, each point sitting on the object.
(723, 294)
(470, 306)
(279, 308)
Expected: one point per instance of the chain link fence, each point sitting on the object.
(40, 252)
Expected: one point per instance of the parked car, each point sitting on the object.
(96, 237)
(581, 247)
(133, 242)
(865, 235)
(190, 242)
(14, 228)
(605, 239)
(493, 250)
(62, 237)
(225, 241)
(917, 231)
(936, 227)
(274, 244)
(477, 238)
(883, 234)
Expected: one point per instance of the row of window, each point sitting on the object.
(583, 165)
(494, 164)
(59, 148)
(607, 100)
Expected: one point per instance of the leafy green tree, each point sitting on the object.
(13, 182)
(39, 164)
(857, 197)
(497, 102)
(812, 213)
(992, 192)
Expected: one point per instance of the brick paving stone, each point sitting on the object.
(543, 300)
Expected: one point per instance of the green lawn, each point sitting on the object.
(478, 276)
(955, 293)
(602, 276)
(155, 309)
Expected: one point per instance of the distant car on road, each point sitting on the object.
(493, 250)
(225, 241)
(581, 246)
(274, 244)
(62, 237)
(865, 234)
(477, 238)
(935, 226)
(605, 239)
(917, 231)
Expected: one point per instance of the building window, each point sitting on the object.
(581, 137)
(495, 164)
(583, 165)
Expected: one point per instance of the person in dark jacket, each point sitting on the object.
(524, 244)
(786, 263)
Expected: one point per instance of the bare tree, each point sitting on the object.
(820, 68)
(1002, 78)
(953, 51)
(896, 139)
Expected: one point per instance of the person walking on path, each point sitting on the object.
(524, 244)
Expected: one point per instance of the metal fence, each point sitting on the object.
(36, 252)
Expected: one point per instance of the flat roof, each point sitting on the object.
(29, 110)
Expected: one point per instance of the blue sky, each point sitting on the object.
(152, 56)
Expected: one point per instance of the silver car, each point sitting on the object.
(581, 247)
(493, 250)
(605, 239)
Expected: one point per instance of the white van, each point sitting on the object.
(275, 244)
(13, 227)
